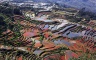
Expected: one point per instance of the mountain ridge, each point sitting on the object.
(89, 5)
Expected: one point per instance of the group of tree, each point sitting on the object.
(3, 25)
(10, 10)
(82, 14)
(86, 14)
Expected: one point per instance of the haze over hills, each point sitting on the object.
(89, 5)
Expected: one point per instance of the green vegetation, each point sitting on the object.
(82, 17)
(12, 54)
(9, 10)
(6, 23)
(73, 18)
(2, 25)
(36, 22)
(86, 57)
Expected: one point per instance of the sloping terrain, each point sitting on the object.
(42, 39)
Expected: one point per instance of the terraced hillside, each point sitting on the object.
(22, 39)
(49, 41)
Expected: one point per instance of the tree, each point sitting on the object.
(17, 11)
(7, 11)
(3, 26)
(6, 4)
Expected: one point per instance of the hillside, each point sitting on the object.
(46, 36)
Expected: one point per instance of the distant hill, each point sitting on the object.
(19, 0)
(89, 5)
